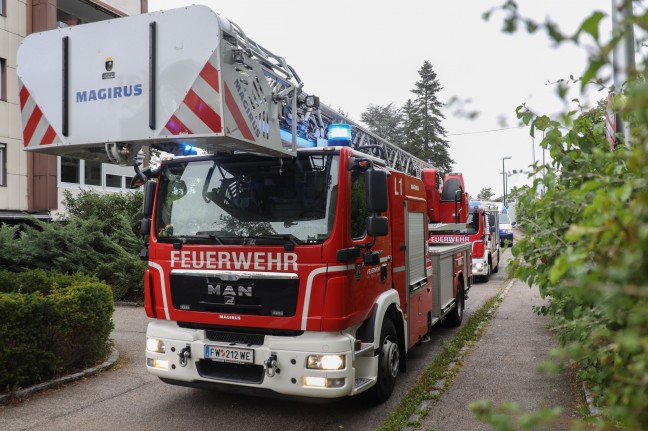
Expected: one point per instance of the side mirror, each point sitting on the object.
(145, 226)
(149, 198)
(377, 226)
(377, 194)
(492, 229)
(514, 224)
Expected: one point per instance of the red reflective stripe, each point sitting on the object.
(30, 128)
(236, 114)
(24, 95)
(210, 75)
(175, 126)
(49, 136)
(203, 111)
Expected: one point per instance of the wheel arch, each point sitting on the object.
(386, 305)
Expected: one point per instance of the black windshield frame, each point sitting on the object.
(248, 199)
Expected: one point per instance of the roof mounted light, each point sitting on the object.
(339, 134)
(309, 102)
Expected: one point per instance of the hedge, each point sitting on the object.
(52, 324)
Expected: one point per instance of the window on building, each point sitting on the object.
(3, 164)
(128, 181)
(66, 19)
(3, 7)
(70, 170)
(113, 181)
(92, 173)
(3, 76)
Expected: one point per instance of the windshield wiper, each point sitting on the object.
(289, 246)
(198, 237)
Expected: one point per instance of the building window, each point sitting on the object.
(3, 7)
(92, 173)
(70, 170)
(113, 181)
(3, 77)
(3, 164)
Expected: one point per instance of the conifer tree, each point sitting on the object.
(432, 144)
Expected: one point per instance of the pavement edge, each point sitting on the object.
(108, 363)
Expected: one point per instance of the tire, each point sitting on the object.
(454, 317)
(488, 273)
(498, 263)
(388, 363)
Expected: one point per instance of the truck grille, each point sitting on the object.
(235, 337)
(275, 297)
(232, 372)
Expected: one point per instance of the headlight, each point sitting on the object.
(325, 362)
(160, 364)
(155, 345)
(322, 382)
(479, 266)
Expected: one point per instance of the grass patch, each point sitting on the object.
(439, 375)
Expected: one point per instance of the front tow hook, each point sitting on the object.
(270, 365)
(185, 354)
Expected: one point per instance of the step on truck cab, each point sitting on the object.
(290, 257)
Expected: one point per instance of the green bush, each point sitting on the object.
(586, 223)
(59, 324)
(78, 245)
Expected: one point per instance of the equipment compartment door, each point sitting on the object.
(420, 299)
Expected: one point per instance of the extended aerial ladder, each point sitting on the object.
(209, 86)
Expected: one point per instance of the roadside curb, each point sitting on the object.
(114, 357)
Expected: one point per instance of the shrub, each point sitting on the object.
(59, 324)
(78, 245)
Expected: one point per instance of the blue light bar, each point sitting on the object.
(286, 136)
(339, 135)
(186, 150)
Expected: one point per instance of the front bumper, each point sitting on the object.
(289, 377)
(479, 267)
(506, 236)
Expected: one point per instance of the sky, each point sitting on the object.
(353, 54)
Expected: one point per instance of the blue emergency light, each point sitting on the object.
(286, 136)
(339, 135)
(187, 150)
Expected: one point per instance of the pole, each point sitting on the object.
(503, 183)
(623, 61)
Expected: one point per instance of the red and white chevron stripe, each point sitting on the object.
(36, 129)
(200, 111)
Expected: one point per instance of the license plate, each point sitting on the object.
(229, 354)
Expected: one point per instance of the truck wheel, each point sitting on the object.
(454, 317)
(488, 272)
(498, 263)
(388, 363)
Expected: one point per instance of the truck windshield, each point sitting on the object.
(472, 225)
(504, 219)
(246, 199)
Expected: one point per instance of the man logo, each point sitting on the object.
(109, 64)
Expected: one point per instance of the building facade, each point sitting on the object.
(34, 183)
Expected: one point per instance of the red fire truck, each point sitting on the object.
(291, 255)
(481, 230)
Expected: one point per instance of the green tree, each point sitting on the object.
(432, 145)
(411, 127)
(385, 121)
(485, 194)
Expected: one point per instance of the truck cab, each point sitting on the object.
(483, 231)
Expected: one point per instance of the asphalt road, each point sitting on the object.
(126, 397)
